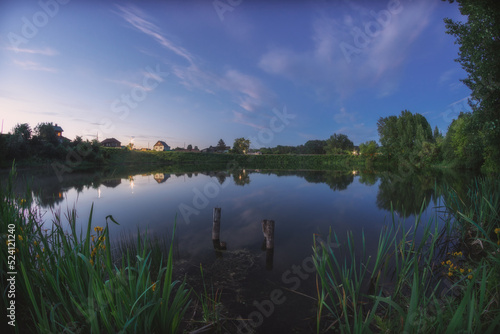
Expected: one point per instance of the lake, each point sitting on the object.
(275, 288)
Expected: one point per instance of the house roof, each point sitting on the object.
(58, 128)
(110, 140)
(160, 143)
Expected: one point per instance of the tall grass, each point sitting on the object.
(409, 285)
(67, 280)
(477, 213)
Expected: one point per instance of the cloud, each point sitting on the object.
(245, 90)
(139, 20)
(379, 58)
(44, 52)
(34, 66)
(130, 84)
(344, 117)
(241, 118)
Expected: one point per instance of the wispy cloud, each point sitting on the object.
(325, 65)
(247, 91)
(130, 84)
(344, 117)
(139, 20)
(44, 52)
(34, 66)
(241, 118)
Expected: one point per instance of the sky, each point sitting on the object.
(194, 72)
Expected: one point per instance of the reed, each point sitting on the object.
(409, 285)
(68, 282)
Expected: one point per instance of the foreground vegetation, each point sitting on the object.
(422, 278)
(68, 282)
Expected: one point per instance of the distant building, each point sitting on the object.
(161, 177)
(58, 130)
(161, 146)
(111, 142)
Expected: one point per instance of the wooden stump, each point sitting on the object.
(268, 231)
(216, 224)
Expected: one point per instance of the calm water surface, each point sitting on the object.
(302, 204)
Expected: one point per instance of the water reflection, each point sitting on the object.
(404, 191)
(241, 177)
(163, 177)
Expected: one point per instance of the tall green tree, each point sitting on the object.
(314, 147)
(46, 132)
(22, 130)
(338, 143)
(479, 55)
(241, 145)
(402, 137)
(221, 145)
(464, 143)
(368, 148)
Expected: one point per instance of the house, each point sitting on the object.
(111, 142)
(58, 130)
(161, 146)
(161, 177)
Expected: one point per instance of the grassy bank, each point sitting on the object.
(67, 282)
(421, 279)
(234, 161)
(120, 157)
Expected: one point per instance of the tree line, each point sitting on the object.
(42, 143)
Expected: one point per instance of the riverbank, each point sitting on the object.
(120, 157)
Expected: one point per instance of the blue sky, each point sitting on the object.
(193, 72)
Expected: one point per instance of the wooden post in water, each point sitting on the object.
(268, 231)
(268, 244)
(216, 225)
(219, 246)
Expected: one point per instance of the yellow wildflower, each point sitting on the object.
(91, 262)
(154, 287)
(20, 237)
(469, 277)
(35, 243)
(43, 249)
(37, 256)
(450, 273)
(442, 263)
(462, 270)
(470, 270)
(497, 230)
